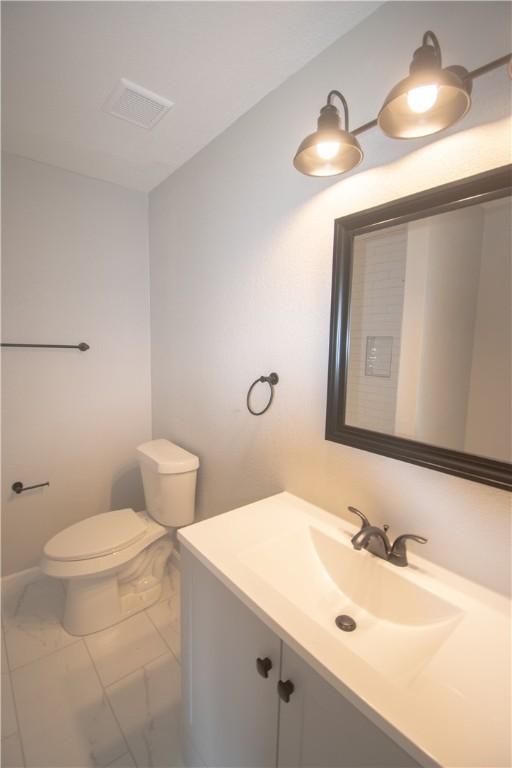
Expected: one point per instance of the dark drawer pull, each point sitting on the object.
(285, 690)
(263, 666)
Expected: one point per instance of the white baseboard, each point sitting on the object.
(22, 577)
(15, 582)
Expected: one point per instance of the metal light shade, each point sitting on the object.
(451, 95)
(308, 158)
(398, 120)
(308, 161)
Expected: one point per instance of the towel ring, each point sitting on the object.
(271, 379)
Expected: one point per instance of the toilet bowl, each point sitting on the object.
(113, 563)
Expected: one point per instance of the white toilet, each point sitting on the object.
(113, 563)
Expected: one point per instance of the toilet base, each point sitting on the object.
(97, 602)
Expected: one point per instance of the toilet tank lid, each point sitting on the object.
(166, 458)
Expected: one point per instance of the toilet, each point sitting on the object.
(113, 563)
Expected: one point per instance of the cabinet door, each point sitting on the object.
(230, 711)
(319, 728)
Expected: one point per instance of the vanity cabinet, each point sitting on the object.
(237, 675)
(319, 728)
(230, 712)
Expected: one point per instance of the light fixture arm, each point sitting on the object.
(428, 55)
(501, 62)
(340, 96)
(433, 41)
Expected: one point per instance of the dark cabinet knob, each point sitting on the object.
(285, 690)
(263, 666)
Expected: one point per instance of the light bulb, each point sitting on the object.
(424, 97)
(327, 149)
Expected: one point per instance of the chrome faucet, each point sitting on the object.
(376, 541)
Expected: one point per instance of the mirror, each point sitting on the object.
(421, 329)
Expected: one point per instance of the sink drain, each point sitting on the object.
(346, 623)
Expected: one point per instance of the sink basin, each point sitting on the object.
(400, 625)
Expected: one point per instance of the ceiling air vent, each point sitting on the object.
(136, 104)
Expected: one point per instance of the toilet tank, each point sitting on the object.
(169, 477)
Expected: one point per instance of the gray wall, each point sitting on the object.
(240, 251)
(75, 268)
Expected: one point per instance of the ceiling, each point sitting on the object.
(214, 60)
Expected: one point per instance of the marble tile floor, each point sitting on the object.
(109, 699)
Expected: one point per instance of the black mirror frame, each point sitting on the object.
(486, 186)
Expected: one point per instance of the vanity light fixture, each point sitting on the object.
(331, 149)
(429, 99)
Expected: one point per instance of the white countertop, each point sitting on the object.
(454, 711)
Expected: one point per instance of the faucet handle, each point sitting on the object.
(398, 554)
(365, 523)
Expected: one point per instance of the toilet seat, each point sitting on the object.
(111, 561)
(97, 536)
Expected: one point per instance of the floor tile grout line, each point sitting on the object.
(2, 737)
(6, 620)
(83, 639)
(162, 635)
(141, 666)
(18, 722)
(4, 633)
(73, 641)
(11, 669)
(47, 655)
(168, 597)
(167, 652)
(18, 734)
(107, 699)
(125, 754)
(106, 687)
